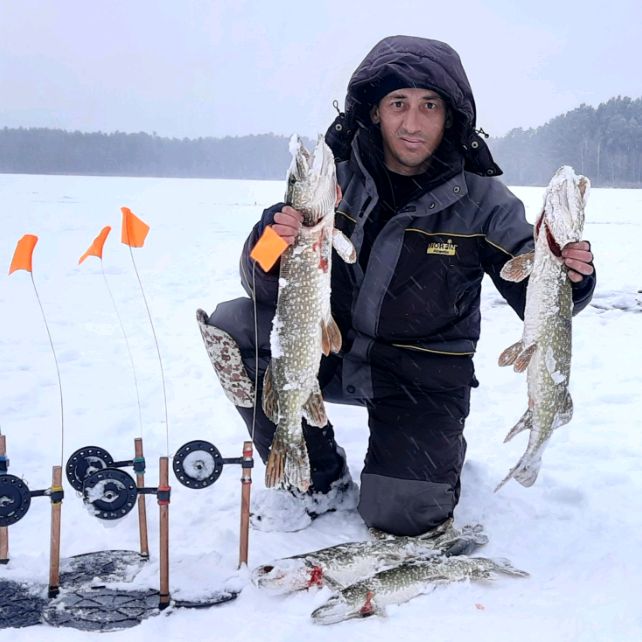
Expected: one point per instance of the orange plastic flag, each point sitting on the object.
(268, 249)
(24, 251)
(134, 230)
(96, 248)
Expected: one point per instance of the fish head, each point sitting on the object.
(287, 576)
(339, 608)
(562, 219)
(311, 180)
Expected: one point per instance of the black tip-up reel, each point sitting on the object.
(15, 497)
(112, 493)
(198, 464)
(91, 459)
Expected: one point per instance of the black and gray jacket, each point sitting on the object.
(418, 295)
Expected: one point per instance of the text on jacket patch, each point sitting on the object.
(449, 248)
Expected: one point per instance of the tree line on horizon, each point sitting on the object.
(603, 143)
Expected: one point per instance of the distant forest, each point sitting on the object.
(604, 143)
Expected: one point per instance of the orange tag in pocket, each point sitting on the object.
(268, 249)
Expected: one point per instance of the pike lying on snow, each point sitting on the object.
(344, 564)
(545, 347)
(403, 582)
(303, 328)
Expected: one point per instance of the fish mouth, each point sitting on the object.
(334, 611)
(311, 182)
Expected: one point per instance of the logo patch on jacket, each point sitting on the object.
(447, 249)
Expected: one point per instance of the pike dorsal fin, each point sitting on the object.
(270, 398)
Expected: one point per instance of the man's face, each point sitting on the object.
(412, 125)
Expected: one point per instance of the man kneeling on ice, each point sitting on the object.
(428, 218)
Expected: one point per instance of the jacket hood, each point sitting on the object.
(407, 61)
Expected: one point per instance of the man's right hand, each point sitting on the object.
(287, 224)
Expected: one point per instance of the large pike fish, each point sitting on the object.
(344, 564)
(404, 582)
(545, 346)
(303, 328)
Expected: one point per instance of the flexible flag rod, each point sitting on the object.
(96, 249)
(22, 260)
(134, 232)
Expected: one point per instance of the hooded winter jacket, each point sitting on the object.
(417, 298)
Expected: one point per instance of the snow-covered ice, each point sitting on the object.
(578, 530)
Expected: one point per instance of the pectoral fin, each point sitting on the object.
(519, 268)
(524, 358)
(343, 246)
(507, 358)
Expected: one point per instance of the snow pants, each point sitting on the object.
(410, 481)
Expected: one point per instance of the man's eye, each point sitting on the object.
(397, 104)
(430, 105)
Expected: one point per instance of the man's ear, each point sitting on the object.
(374, 115)
(449, 119)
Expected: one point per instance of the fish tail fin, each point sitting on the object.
(275, 466)
(288, 465)
(507, 358)
(297, 467)
(330, 336)
(525, 423)
(502, 565)
(525, 471)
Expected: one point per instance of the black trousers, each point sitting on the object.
(411, 476)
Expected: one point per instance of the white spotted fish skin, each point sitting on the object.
(303, 328)
(404, 582)
(545, 347)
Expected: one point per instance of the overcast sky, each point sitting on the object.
(217, 67)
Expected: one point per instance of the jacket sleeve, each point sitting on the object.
(252, 275)
(509, 234)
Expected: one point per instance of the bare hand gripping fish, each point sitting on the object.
(545, 347)
(303, 328)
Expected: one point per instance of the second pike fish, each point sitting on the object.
(545, 346)
(402, 583)
(303, 328)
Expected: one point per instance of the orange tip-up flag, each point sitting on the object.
(96, 248)
(24, 251)
(134, 230)
(268, 249)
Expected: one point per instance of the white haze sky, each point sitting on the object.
(191, 68)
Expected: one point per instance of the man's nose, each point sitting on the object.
(411, 121)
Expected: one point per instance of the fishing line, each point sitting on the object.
(256, 349)
(160, 361)
(53, 350)
(129, 352)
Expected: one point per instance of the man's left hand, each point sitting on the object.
(578, 258)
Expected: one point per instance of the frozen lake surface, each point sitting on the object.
(578, 530)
